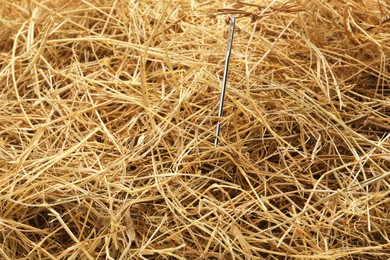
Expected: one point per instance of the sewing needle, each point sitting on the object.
(225, 74)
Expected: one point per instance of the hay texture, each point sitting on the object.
(107, 120)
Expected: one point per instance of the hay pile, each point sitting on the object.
(108, 112)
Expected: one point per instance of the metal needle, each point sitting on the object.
(225, 74)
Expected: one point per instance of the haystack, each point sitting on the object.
(107, 122)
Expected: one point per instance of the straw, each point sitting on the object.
(107, 109)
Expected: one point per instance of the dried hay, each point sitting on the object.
(107, 113)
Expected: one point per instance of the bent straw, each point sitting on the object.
(225, 74)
